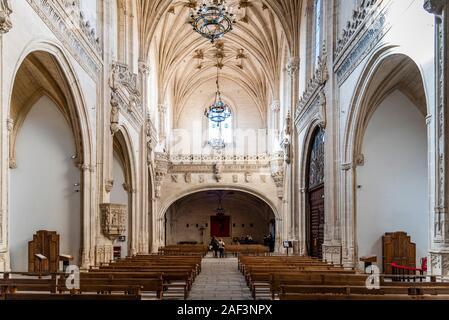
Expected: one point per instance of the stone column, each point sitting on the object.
(144, 71)
(290, 170)
(439, 251)
(5, 27)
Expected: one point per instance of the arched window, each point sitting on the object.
(220, 134)
(318, 26)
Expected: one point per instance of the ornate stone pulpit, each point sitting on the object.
(113, 219)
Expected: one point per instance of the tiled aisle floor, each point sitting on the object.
(220, 279)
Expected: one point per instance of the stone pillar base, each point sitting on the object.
(439, 264)
(5, 264)
(332, 254)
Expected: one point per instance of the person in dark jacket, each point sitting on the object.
(214, 246)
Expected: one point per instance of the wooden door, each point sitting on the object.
(315, 194)
(316, 222)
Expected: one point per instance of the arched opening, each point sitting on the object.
(392, 163)
(45, 155)
(315, 195)
(122, 191)
(231, 215)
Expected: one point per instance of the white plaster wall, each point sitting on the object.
(190, 133)
(42, 193)
(120, 196)
(393, 193)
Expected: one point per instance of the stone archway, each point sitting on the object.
(43, 98)
(228, 214)
(388, 73)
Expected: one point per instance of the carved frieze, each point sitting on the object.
(113, 220)
(69, 25)
(364, 32)
(359, 17)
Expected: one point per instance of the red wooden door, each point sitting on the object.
(220, 226)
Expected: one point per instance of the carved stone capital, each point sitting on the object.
(5, 16)
(113, 219)
(435, 7)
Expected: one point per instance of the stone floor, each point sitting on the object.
(220, 279)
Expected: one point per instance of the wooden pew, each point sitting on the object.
(52, 296)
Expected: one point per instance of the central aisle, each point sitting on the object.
(220, 279)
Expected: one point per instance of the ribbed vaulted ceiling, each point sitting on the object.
(262, 38)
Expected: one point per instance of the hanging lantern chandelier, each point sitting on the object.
(218, 111)
(212, 19)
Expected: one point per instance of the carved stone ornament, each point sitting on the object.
(218, 170)
(278, 178)
(114, 114)
(319, 79)
(5, 13)
(293, 66)
(434, 6)
(188, 177)
(108, 185)
(113, 220)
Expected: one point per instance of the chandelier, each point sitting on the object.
(220, 211)
(218, 111)
(212, 19)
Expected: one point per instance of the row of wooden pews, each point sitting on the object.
(175, 273)
(304, 278)
(31, 286)
(133, 278)
(184, 250)
(247, 249)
